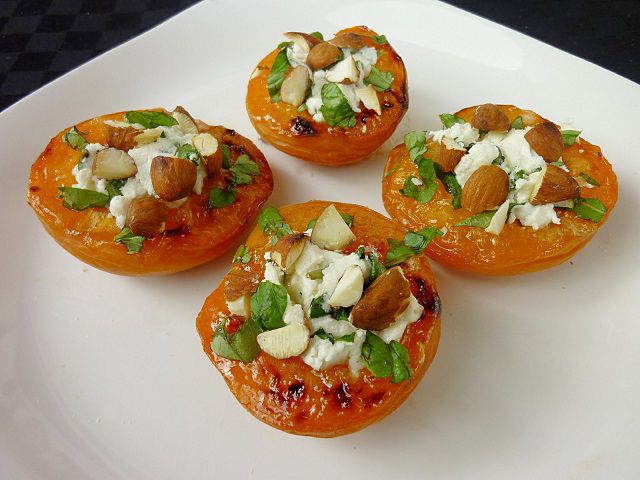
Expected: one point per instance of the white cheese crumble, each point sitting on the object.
(461, 133)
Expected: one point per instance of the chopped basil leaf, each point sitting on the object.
(558, 163)
(335, 107)
(377, 268)
(74, 139)
(242, 255)
(302, 107)
(347, 338)
(285, 44)
(427, 171)
(499, 159)
(420, 192)
(348, 219)
(219, 198)
(79, 198)
(517, 176)
(242, 345)
(569, 136)
(517, 123)
(189, 152)
(276, 75)
(268, 304)
(377, 356)
(114, 187)
(590, 180)
(416, 143)
(243, 169)
(401, 366)
(271, 223)
(414, 243)
(452, 186)
(380, 80)
(226, 156)
(315, 274)
(481, 220)
(317, 307)
(318, 35)
(320, 333)
(448, 120)
(342, 314)
(381, 40)
(150, 119)
(589, 209)
(129, 240)
(360, 252)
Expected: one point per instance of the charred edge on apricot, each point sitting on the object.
(34, 189)
(230, 132)
(374, 399)
(387, 105)
(343, 397)
(426, 296)
(176, 232)
(295, 391)
(299, 126)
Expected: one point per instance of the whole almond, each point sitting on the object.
(348, 40)
(121, 138)
(486, 188)
(295, 85)
(172, 177)
(305, 41)
(146, 216)
(555, 185)
(386, 297)
(489, 117)
(546, 140)
(323, 55)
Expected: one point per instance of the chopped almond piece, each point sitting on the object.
(546, 140)
(556, 185)
(146, 216)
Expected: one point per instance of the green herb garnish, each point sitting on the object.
(114, 187)
(241, 345)
(243, 169)
(589, 180)
(268, 304)
(517, 123)
(481, 220)
(189, 152)
(348, 219)
(401, 363)
(318, 35)
(380, 40)
(74, 138)
(151, 119)
(219, 198)
(569, 136)
(130, 240)
(317, 307)
(414, 243)
(79, 199)
(416, 143)
(589, 209)
(335, 107)
(320, 333)
(242, 255)
(226, 156)
(276, 75)
(271, 223)
(380, 80)
(449, 120)
(377, 268)
(419, 192)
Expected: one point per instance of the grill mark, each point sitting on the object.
(296, 391)
(343, 397)
(427, 296)
(299, 126)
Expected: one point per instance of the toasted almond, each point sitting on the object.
(121, 138)
(489, 117)
(449, 154)
(349, 288)
(146, 216)
(345, 71)
(147, 136)
(369, 97)
(546, 140)
(322, 55)
(348, 40)
(172, 177)
(113, 164)
(304, 41)
(186, 123)
(205, 143)
(284, 342)
(486, 188)
(238, 282)
(556, 185)
(385, 299)
(295, 85)
(331, 231)
(287, 250)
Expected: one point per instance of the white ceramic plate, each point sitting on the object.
(537, 376)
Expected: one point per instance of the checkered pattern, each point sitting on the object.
(43, 39)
